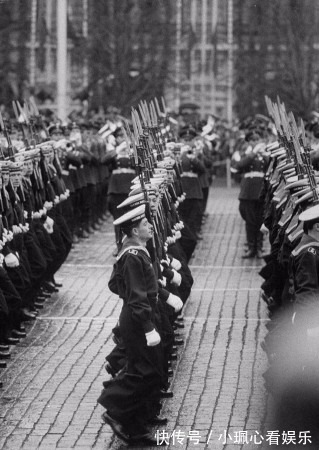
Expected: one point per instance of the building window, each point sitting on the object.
(185, 88)
(198, 30)
(186, 15)
(199, 12)
(208, 62)
(220, 111)
(198, 62)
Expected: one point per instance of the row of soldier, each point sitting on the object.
(157, 226)
(57, 193)
(52, 194)
(286, 207)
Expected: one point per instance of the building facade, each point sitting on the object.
(200, 71)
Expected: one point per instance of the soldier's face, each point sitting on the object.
(15, 179)
(154, 201)
(120, 138)
(144, 230)
(170, 176)
(29, 167)
(6, 178)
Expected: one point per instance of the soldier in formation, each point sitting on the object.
(57, 185)
(158, 223)
(53, 192)
(290, 288)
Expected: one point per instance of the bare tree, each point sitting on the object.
(277, 54)
(129, 50)
(14, 28)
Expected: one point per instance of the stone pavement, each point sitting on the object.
(55, 374)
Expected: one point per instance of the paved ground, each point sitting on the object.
(55, 374)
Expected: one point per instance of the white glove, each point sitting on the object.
(162, 281)
(152, 338)
(175, 302)
(50, 221)
(179, 225)
(178, 235)
(48, 205)
(176, 264)
(16, 229)
(9, 236)
(264, 229)
(177, 278)
(36, 215)
(11, 260)
(48, 225)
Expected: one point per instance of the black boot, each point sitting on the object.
(251, 252)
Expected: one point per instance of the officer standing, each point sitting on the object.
(252, 165)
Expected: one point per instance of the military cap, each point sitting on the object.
(137, 189)
(187, 133)
(133, 201)
(46, 148)
(131, 217)
(4, 165)
(253, 134)
(55, 128)
(311, 213)
(15, 166)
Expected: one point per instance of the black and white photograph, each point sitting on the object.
(159, 224)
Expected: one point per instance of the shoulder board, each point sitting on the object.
(310, 248)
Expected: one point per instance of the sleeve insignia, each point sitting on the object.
(133, 251)
(312, 250)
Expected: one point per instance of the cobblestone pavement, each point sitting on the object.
(55, 374)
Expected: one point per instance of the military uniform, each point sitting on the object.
(128, 396)
(191, 208)
(252, 167)
(304, 279)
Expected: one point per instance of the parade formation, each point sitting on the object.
(59, 182)
(159, 224)
(279, 199)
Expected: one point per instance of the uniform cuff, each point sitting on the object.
(148, 326)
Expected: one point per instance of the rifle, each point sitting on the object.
(16, 113)
(140, 167)
(38, 117)
(8, 138)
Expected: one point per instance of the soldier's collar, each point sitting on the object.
(129, 245)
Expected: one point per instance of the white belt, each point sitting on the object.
(189, 174)
(124, 170)
(254, 174)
